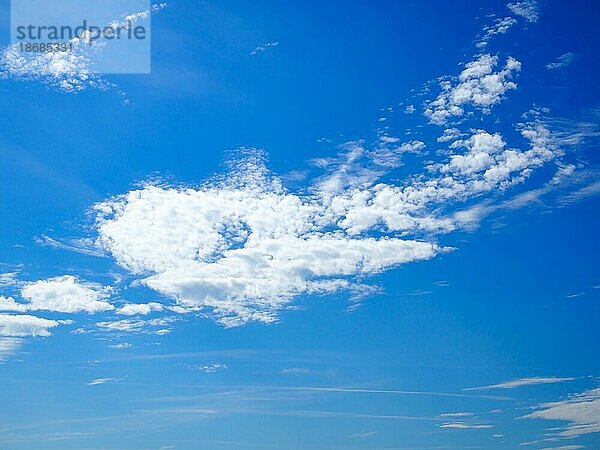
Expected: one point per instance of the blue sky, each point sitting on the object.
(312, 226)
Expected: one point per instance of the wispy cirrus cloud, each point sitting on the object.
(562, 61)
(99, 381)
(82, 246)
(9, 346)
(465, 426)
(263, 48)
(512, 384)
(580, 411)
(565, 447)
(9, 280)
(391, 392)
(362, 435)
(457, 414)
(582, 193)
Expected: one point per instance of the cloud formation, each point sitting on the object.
(241, 248)
(211, 368)
(67, 71)
(564, 447)
(262, 48)
(523, 382)
(562, 61)
(527, 9)
(61, 294)
(25, 325)
(133, 309)
(8, 346)
(121, 346)
(479, 86)
(581, 411)
(500, 26)
(99, 381)
(465, 426)
(158, 326)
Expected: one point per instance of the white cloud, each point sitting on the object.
(68, 71)
(121, 346)
(526, 9)
(564, 447)
(152, 326)
(211, 368)
(465, 426)
(478, 86)
(141, 15)
(457, 414)
(481, 155)
(132, 309)
(591, 189)
(389, 139)
(61, 294)
(80, 331)
(253, 282)
(99, 381)
(242, 248)
(25, 325)
(362, 435)
(82, 246)
(491, 163)
(486, 166)
(410, 109)
(263, 47)
(412, 146)
(562, 61)
(581, 411)
(500, 26)
(523, 382)
(390, 150)
(9, 279)
(8, 346)
(295, 371)
(450, 134)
